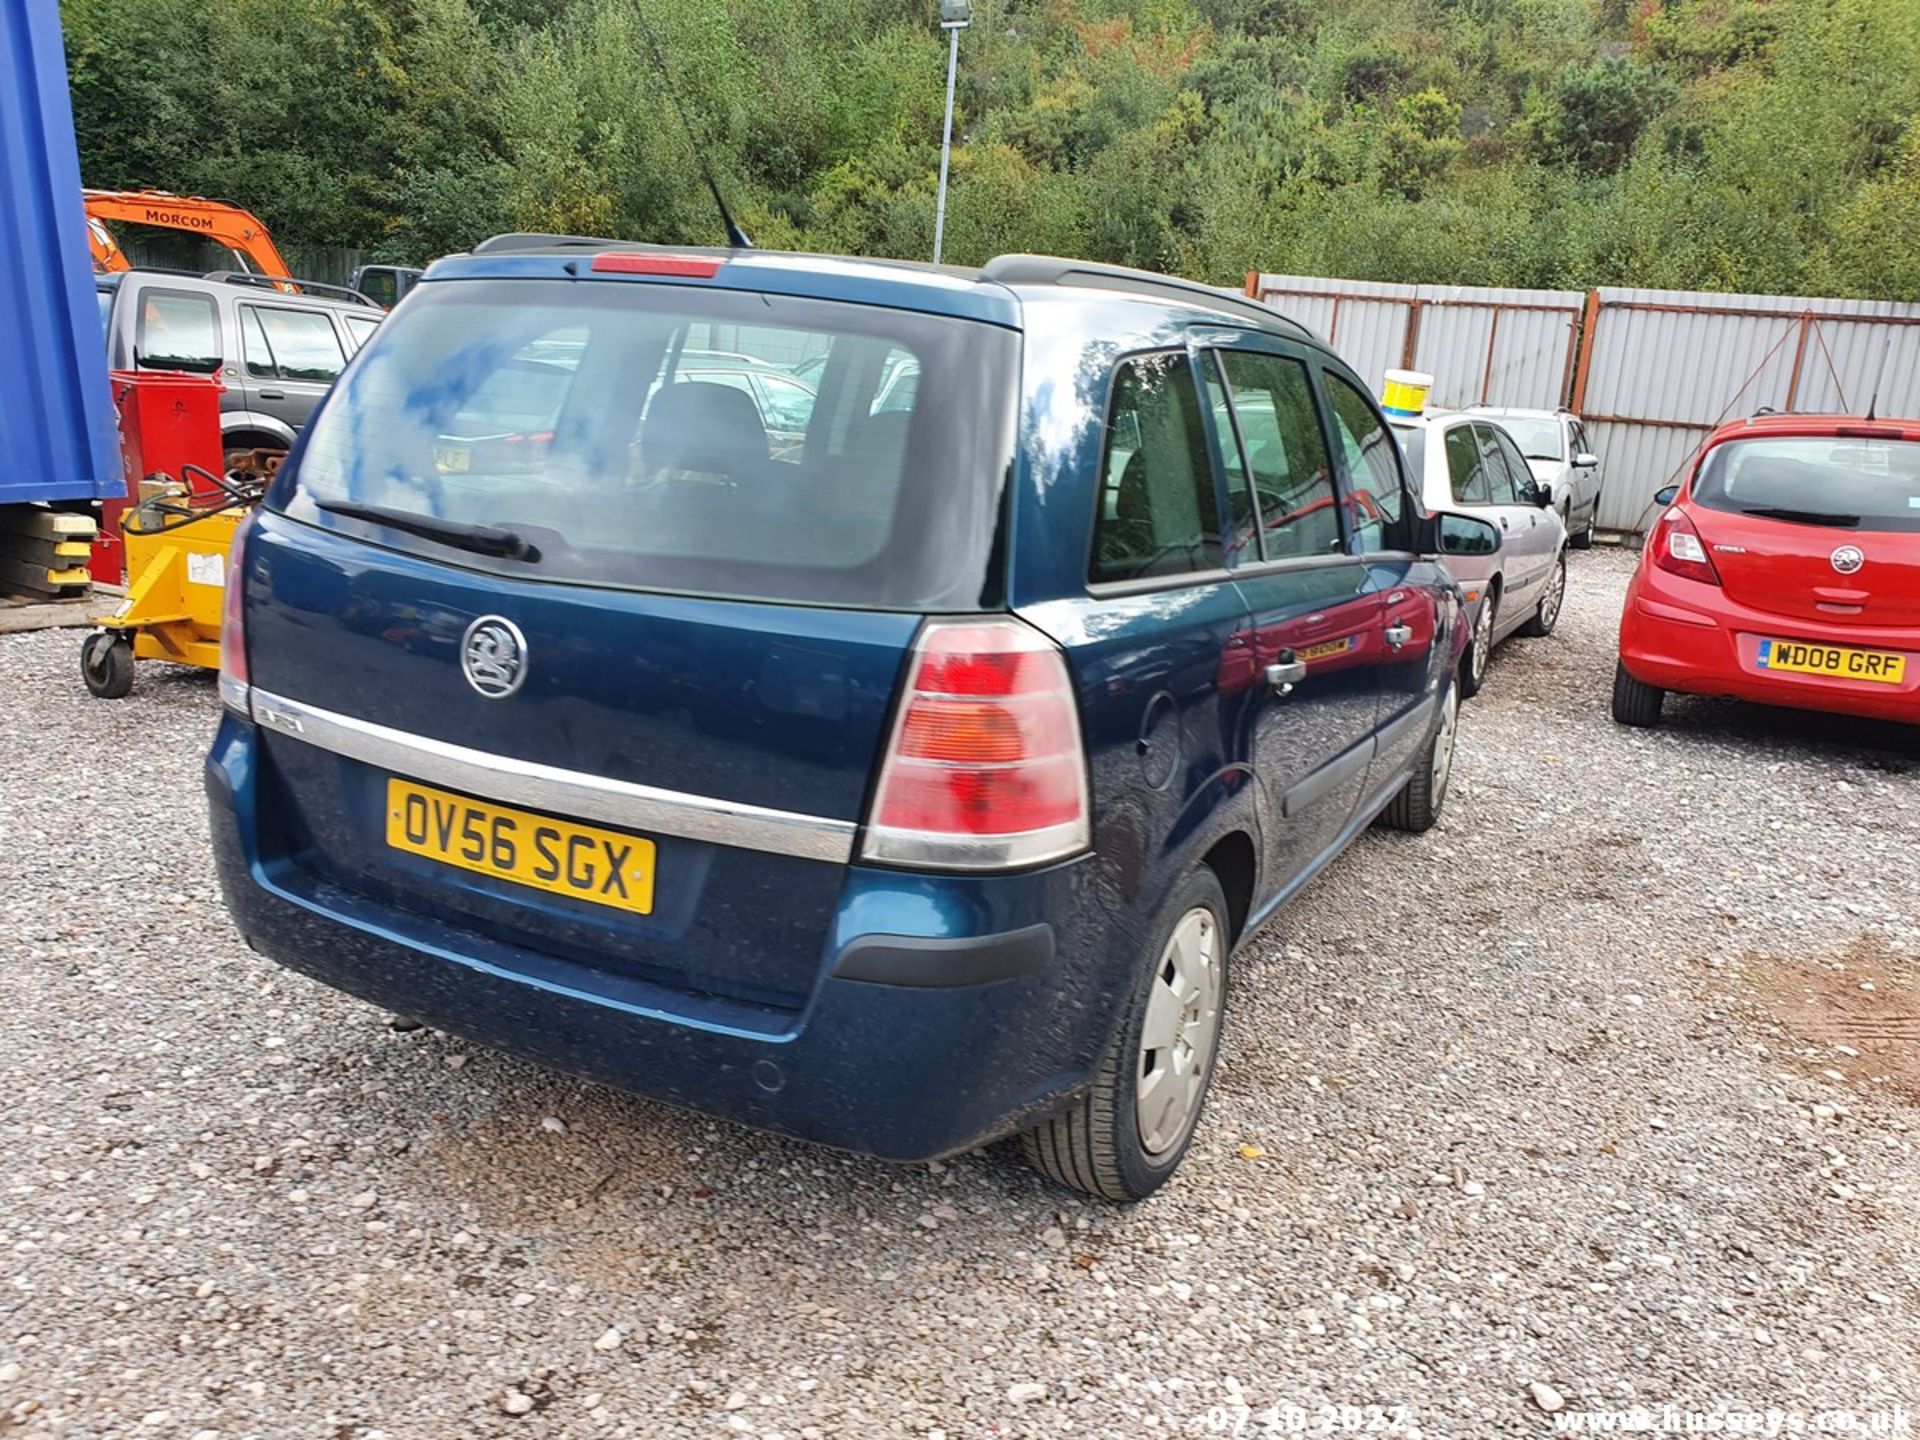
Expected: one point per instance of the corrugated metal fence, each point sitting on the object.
(1653, 371)
(1490, 347)
(1660, 369)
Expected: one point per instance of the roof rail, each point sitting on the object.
(522, 241)
(114, 275)
(1051, 270)
(279, 282)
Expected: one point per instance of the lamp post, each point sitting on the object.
(955, 15)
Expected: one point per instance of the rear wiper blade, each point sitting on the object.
(481, 539)
(1805, 517)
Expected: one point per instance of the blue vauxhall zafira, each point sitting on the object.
(862, 700)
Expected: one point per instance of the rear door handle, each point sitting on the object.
(1286, 674)
(271, 394)
(1398, 635)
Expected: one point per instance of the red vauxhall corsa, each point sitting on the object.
(1785, 571)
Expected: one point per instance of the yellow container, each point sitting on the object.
(1404, 392)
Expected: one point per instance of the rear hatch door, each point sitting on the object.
(1816, 528)
(637, 734)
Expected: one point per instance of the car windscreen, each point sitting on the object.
(561, 414)
(1538, 439)
(1844, 482)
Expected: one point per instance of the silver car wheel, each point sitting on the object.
(1482, 641)
(1178, 1036)
(1443, 744)
(1556, 592)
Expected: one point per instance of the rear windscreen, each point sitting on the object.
(679, 438)
(1843, 482)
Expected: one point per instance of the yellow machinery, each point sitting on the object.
(177, 543)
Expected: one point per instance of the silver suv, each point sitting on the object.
(275, 344)
(1561, 458)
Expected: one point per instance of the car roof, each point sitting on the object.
(228, 282)
(1523, 412)
(1432, 419)
(1808, 423)
(991, 292)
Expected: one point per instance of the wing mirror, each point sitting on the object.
(1542, 495)
(1584, 461)
(1464, 535)
(1666, 494)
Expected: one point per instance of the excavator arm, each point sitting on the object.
(238, 230)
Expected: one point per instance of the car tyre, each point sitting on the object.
(1635, 702)
(1547, 614)
(1110, 1144)
(1479, 652)
(1417, 807)
(1584, 540)
(106, 664)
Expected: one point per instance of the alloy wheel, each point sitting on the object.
(1443, 740)
(1482, 641)
(1556, 592)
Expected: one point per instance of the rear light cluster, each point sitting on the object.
(235, 688)
(985, 768)
(1679, 550)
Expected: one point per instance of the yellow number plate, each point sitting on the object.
(452, 459)
(602, 866)
(1805, 659)
(1324, 649)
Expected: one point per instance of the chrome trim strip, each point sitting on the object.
(573, 793)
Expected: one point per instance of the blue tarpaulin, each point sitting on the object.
(57, 432)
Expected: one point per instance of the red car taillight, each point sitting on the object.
(1679, 550)
(985, 767)
(234, 676)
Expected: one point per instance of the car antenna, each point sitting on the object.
(736, 237)
(1874, 403)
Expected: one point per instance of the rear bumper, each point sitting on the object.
(1683, 635)
(950, 1039)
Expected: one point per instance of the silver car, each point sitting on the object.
(276, 345)
(1465, 463)
(1561, 458)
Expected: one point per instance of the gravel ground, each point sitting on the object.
(1534, 1100)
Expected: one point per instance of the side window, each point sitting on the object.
(1466, 470)
(902, 387)
(1499, 477)
(788, 404)
(1581, 445)
(1517, 467)
(360, 329)
(1156, 513)
(1382, 519)
(1240, 541)
(177, 331)
(297, 344)
(254, 346)
(1286, 454)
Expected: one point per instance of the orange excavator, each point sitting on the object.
(227, 225)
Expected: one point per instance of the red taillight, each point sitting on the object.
(234, 676)
(1678, 549)
(691, 267)
(985, 768)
